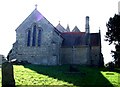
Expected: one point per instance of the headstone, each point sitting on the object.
(1, 56)
(7, 74)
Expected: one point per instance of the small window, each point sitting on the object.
(39, 37)
(34, 36)
(28, 38)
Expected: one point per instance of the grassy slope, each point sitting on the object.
(59, 75)
(113, 77)
(0, 77)
(26, 76)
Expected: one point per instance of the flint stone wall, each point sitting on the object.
(48, 51)
(75, 55)
(80, 55)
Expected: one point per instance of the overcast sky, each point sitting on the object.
(72, 12)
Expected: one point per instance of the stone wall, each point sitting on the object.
(48, 51)
(55, 46)
(79, 55)
(76, 55)
(95, 54)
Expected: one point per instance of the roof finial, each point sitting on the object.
(59, 22)
(36, 6)
(67, 25)
(68, 29)
(99, 28)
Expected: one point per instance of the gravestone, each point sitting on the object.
(1, 56)
(7, 74)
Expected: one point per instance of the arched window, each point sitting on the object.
(28, 38)
(39, 37)
(34, 36)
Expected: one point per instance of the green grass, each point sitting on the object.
(112, 77)
(0, 77)
(26, 76)
(59, 75)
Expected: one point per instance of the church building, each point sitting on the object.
(39, 42)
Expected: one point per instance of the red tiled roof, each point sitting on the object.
(79, 39)
(73, 33)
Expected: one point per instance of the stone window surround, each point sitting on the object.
(34, 34)
(31, 35)
(28, 37)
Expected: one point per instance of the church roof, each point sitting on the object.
(75, 29)
(71, 39)
(35, 17)
(68, 29)
(60, 28)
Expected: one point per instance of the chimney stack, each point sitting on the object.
(87, 29)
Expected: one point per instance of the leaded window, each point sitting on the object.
(39, 37)
(34, 36)
(28, 38)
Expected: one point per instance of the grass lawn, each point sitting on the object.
(112, 77)
(59, 75)
(0, 77)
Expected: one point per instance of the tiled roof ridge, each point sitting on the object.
(73, 33)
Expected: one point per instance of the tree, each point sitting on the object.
(113, 36)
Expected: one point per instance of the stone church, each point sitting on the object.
(39, 42)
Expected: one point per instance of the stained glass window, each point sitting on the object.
(39, 37)
(28, 38)
(34, 36)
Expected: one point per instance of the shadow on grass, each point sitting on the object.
(117, 70)
(86, 77)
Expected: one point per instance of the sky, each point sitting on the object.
(72, 12)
